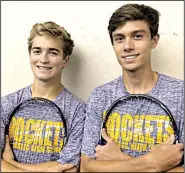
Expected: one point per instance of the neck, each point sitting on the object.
(139, 82)
(48, 90)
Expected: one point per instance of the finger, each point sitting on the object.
(7, 146)
(96, 156)
(7, 139)
(104, 135)
(97, 147)
(170, 140)
(180, 146)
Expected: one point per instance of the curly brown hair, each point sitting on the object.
(52, 29)
(132, 12)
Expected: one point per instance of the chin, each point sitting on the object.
(129, 69)
(43, 79)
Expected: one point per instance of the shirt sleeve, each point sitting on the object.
(2, 135)
(181, 124)
(181, 115)
(6, 108)
(92, 126)
(71, 152)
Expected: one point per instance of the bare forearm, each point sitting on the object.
(41, 167)
(74, 169)
(7, 167)
(139, 164)
(125, 157)
(177, 169)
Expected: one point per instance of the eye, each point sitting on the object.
(36, 52)
(119, 39)
(138, 36)
(53, 53)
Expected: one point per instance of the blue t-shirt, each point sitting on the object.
(168, 90)
(29, 151)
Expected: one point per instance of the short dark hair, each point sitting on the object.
(132, 12)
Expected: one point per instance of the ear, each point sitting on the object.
(65, 61)
(155, 41)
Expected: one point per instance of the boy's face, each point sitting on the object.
(132, 44)
(46, 58)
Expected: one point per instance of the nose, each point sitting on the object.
(44, 58)
(128, 45)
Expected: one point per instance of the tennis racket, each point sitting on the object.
(37, 131)
(136, 122)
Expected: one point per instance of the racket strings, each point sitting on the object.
(37, 130)
(138, 125)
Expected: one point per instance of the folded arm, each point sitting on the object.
(154, 161)
(41, 167)
(177, 169)
(7, 167)
(133, 165)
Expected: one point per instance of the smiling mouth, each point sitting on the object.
(44, 68)
(129, 57)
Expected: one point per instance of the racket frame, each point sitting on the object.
(7, 123)
(102, 141)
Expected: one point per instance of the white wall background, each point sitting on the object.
(93, 61)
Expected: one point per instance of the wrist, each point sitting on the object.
(7, 160)
(13, 162)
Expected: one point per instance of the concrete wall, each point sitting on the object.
(93, 61)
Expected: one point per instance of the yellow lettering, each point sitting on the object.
(48, 133)
(40, 149)
(33, 148)
(37, 132)
(104, 112)
(114, 127)
(29, 137)
(124, 145)
(18, 129)
(41, 132)
(57, 149)
(127, 126)
(58, 126)
(62, 143)
(12, 127)
(49, 149)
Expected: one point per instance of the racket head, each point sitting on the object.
(37, 130)
(136, 122)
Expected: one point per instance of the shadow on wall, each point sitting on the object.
(72, 74)
(166, 59)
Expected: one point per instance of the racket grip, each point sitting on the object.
(102, 141)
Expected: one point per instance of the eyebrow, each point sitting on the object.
(50, 49)
(133, 32)
(54, 49)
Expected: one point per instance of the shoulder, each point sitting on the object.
(71, 99)
(169, 80)
(170, 91)
(106, 88)
(103, 95)
(171, 84)
(72, 106)
(8, 102)
(15, 97)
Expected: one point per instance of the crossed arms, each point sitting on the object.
(109, 158)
